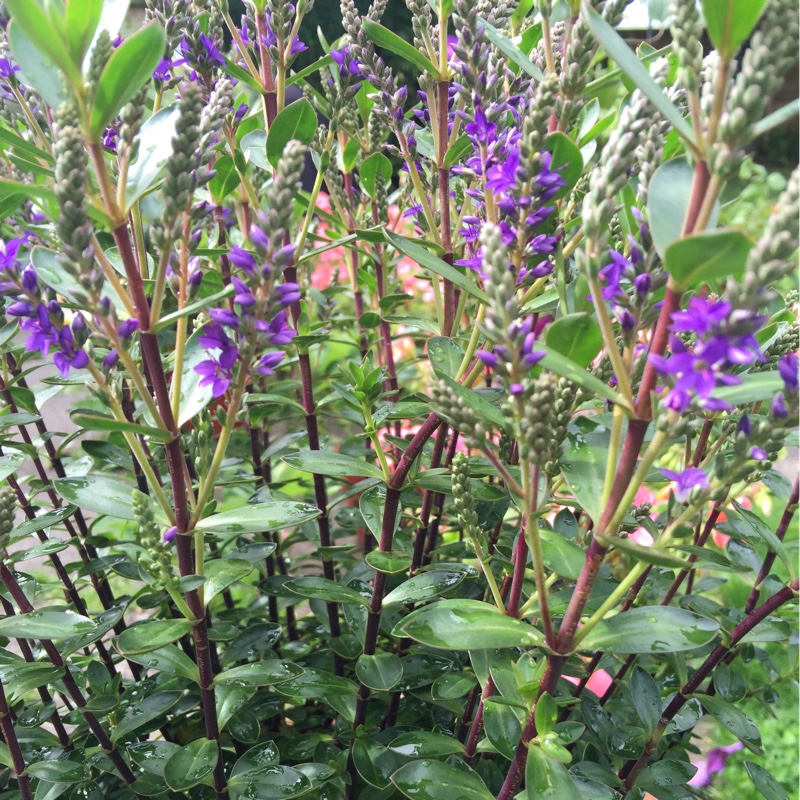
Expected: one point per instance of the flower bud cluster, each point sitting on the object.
(155, 562)
(8, 510)
(546, 413)
(462, 496)
(452, 407)
(686, 28)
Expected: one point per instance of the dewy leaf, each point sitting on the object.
(380, 672)
(191, 764)
(667, 201)
(170, 659)
(145, 711)
(567, 368)
(546, 778)
(577, 337)
(385, 38)
(102, 495)
(466, 625)
(128, 69)
(736, 721)
(151, 635)
(651, 629)
(260, 517)
(424, 586)
(45, 625)
(765, 782)
(445, 355)
(328, 462)
(583, 463)
(93, 421)
(617, 49)
(755, 387)
(730, 22)
(374, 165)
(322, 589)
(297, 121)
(435, 780)
(260, 673)
(36, 69)
(706, 257)
(649, 555)
(221, 573)
(435, 264)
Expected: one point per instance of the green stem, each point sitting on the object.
(613, 453)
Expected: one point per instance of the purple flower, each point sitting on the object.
(7, 69)
(278, 332)
(347, 64)
(691, 478)
(243, 297)
(217, 372)
(110, 139)
(22, 308)
(480, 130)
(241, 110)
(288, 293)
(29, 282)
(488, 359)
(225, 317)
(209, 53)
(778, 409)
(240, 258)
(502, 177)
(110, 361)
(787, 367)
(717, 759)
(69, 355)
(701, 316)
(42, 333)
(170, 534)
(267, 362)
(127, 328)
(162, 70)
(8, 253)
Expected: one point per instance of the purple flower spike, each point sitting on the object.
(240, 258)
(29, 281)
(488, 359)
(288, 293)
(170, 534)
(110, 361)
(267, 362)
(127, 328)
(691, 478)
(225, 317)
(22, 308)
(787, 367)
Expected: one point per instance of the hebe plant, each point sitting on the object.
(277, 554)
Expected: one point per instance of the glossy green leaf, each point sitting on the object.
(297, 121)
(477, 402)
(259, 517)
(546, 778)
(316, 683)
(9, 463)
(374, 165)
(151, 635)
(508, 48)
(225, 180)
(93, 421)
(54, 771)
(562, 556)
(435, 264)
(44, 521)
(385, 38)
(422, 744)
(669, 772)
(37, 69)
(276, 782)
(566, 161)
(254, 148)
(667, 201)
(707, 258)
(651, 629)
(765, 782)
(45, 625)
(736, 721)
(618, 50)
(191, 764)
(380, 672)
(583, 463)
(151, 756)
(424, 586)
(502, 727)
(155, 147)
(649, 555)
(221, 573)
(322, 589)
(575, 336)
(646, 698)
(143, 712)
(170, 659)
(328, 462)
(22, 678)
(390, 562)
(748, 526)
(445, 355)
(730, 22)
(434, 780)
(561, 365)
(128, 69)
(81, 19)
(466, 625)
(259, 673)
(375, 763)
(102, 495)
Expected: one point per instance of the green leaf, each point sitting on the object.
(270, 783)
(730, 22)
(435, 264)
(649, 555)
(561, 365)
(192, 308)
(424, 586)
(508, 48)
(390, 41)
(755, 387)
(458, 150)
(151, 756)
(221, 573)
(93, 421)
(577, 337)
(328, 462)
(297, 121)
(618, 50)
(225, 180)
(546, 714)
(422, 744)
(706, 257)
(9, 463)
(155, 147)
(380, 672)
(391, 562)
(59, 771)
(466, 625)
(317, 683)
(752, 528)
(81, 20)
(503, 729)
(667, 201)
(102, 495)
(20, 679)
(783, 114)
(669, 772)
(144, 711)
(170, 659)
(376, 164)
(191, 764)
(128, 69)
(765, 782)
(31, 17)
(565, 558)
(646, 698)
(45, 625)
(320, 588)
(730, 717)
(477, 402)
(151, 635)
(254, 148)
(583, 463)
(434, 780)
(259, 517)
(37, 70)
(651, 629)
(546, 778)
(445, 355)
(260, 673)
(566, 160)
